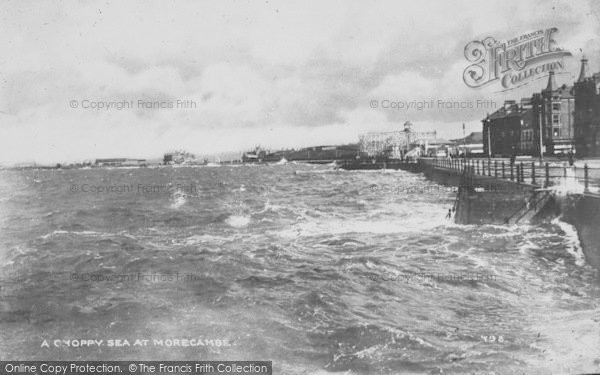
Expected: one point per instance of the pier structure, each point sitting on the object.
(395, 144)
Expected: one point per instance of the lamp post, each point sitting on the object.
(489, 137)
(464, 144)
(407, 131)
(540, 135)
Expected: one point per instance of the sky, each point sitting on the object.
(269, 73)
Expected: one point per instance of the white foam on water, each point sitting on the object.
(89, 233)
(568, 185)
(271, 207)
(178, 200)
(343, 226)
(238, 221)
(48, 235)
(205, 238)
(569, 342)
(572, 241)
(526, 246)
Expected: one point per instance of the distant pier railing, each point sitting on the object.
(533, 173)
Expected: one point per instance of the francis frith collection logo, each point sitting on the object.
(515, 62)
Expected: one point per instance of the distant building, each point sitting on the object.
(438, 147)
(555, 106)
(527, 137)
(514, 129)
(258, 155)
(587, 113)
(179, 157)
(502, 130)
(119, 162)
(472, 144)
(394, 144)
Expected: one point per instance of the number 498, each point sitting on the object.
(492, 338)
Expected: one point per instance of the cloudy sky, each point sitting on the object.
(270, 73)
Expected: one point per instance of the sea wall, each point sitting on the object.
(583, 212)
(483, 200)
(494, 201)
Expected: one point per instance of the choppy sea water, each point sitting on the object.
(318, 270)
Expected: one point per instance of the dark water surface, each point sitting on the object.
(314, 269)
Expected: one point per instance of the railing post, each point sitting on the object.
(532, 173)
(503, 173)
(478, 166)
(496, 168)
(522, 173)
(489, 166)
(586, 180)
(547, 174)
(512, 176)
(518, 173)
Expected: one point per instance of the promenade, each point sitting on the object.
(552, 175)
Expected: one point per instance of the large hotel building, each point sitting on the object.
(569, 118)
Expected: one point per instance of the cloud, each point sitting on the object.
(273, 73)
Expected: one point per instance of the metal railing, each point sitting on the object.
(544, 175)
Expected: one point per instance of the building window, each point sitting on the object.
(556, 132)
(555, 119)
(556, 107)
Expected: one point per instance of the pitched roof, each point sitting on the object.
(474, 137)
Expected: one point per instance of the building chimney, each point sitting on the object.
(583, 74)
(551, 82)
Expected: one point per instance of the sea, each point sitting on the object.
(318, 270)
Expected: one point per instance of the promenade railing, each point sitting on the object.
(525, 172)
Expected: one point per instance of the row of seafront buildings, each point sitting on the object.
(400, 144)
(568, 118)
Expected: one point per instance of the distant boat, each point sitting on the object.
(282, 161)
